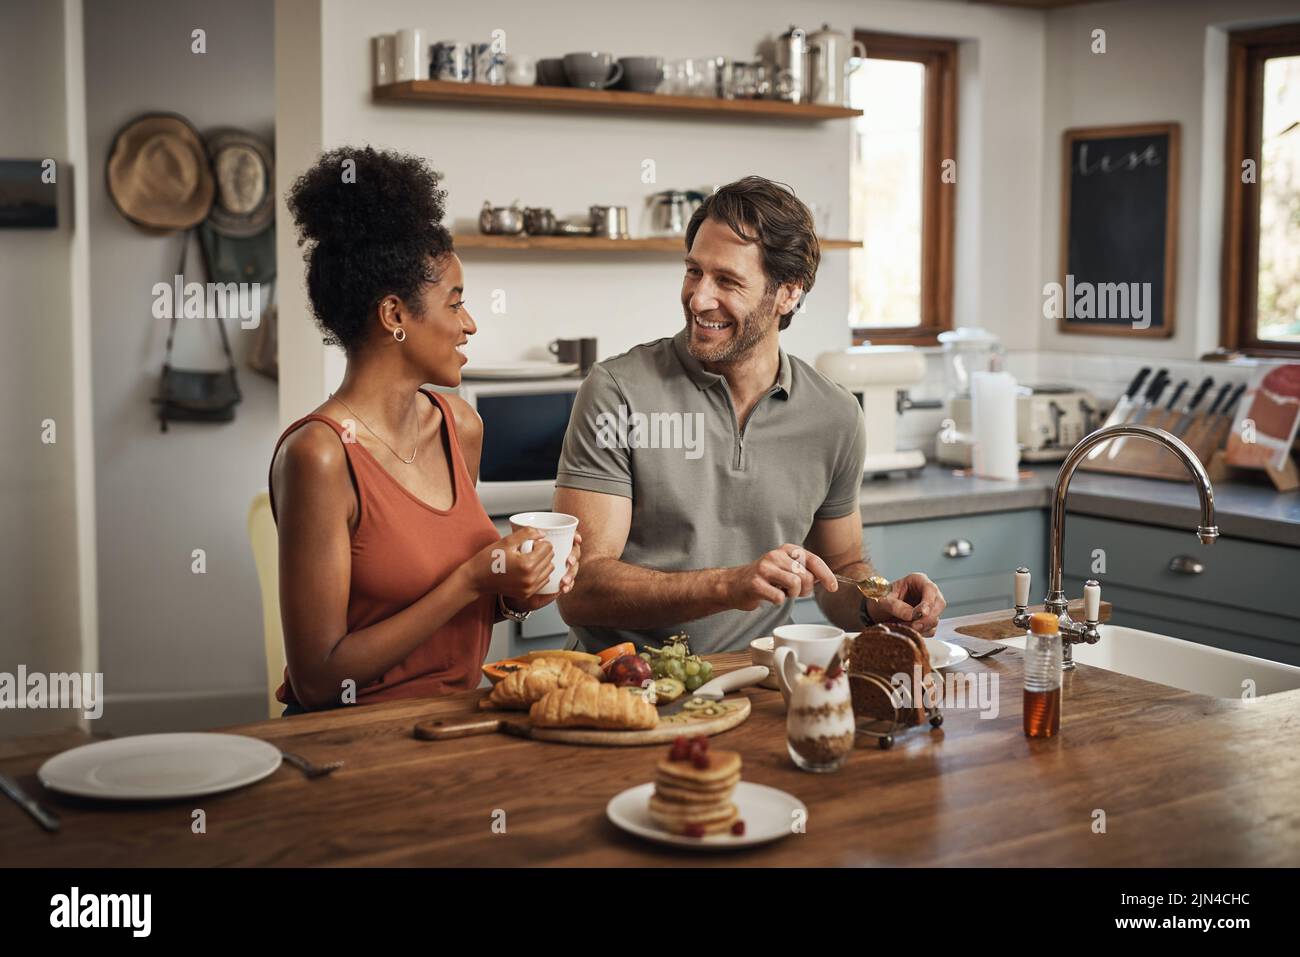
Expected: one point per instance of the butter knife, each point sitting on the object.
(11, 787)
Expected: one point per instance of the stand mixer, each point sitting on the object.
(881, 376)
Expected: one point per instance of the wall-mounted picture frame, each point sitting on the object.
(1119, 230)
(27, 199)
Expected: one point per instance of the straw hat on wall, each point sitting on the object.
(158, 173)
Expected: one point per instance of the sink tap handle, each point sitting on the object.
(1020, 591)
(1022, 587)
(1091, 610)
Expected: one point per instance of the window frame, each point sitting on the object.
(938, 199)
(1238, 323)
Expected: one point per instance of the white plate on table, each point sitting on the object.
(160, 767)
(539, 369)
(767, 812)
(944, 654)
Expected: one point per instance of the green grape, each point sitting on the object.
(676, 670)
(692, 666)
(693, 682)
(706, 669)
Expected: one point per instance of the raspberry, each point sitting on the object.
(738, 828)
(679, 754)
(703, 741)
(700, 760)
(694, 830)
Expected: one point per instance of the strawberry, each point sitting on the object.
(738, 828)
(694, 830)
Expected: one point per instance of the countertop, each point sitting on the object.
(1141, 775)
(1244, 509)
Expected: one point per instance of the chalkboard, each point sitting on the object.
(1119, 230)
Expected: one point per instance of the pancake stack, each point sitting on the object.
(693, 789)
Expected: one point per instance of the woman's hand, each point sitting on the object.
(566, 583)
(503, 568)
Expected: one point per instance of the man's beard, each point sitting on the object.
(749, 332)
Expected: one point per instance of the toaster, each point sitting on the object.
(1050, 420)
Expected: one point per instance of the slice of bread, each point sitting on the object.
(886, 651)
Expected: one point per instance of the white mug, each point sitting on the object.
(381, 51)
(795, 647)
(521, 70)
(410, 56)
(558, 529)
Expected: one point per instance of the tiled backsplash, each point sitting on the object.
(1105, 375)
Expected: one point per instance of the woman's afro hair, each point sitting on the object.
(372, 223)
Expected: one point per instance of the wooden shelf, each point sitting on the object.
(667, 244)
(616, 101)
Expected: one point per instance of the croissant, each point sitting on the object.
(519, 689)
(593, 704)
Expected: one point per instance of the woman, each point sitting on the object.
(391, 573)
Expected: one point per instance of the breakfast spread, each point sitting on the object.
(693, 790)
(889, 650)
(519, 689)
(594, 704)
(819, 722)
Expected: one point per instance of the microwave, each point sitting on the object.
(524, 422)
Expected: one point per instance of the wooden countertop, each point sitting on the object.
(1183, 779)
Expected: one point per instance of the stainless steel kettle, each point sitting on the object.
(668, 213)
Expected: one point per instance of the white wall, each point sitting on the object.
(1164, 62)
(177, 649)
(571, 161)
(39, 529)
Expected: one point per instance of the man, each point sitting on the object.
(716, 477)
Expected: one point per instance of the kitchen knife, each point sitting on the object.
(44, 818)
(1125, 403)
(1231, 407)
(1178, 394)
(1189, 410)
(1218, 399)
(719, 687)
(1149, 401)
(1123, 406)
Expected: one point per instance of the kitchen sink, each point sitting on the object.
(1181, 664)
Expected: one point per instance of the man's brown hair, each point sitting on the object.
(761, 211)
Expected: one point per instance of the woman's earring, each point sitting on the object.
(399, 334)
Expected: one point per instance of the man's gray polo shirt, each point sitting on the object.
(654, 426)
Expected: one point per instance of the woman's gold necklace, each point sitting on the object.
(381, 438)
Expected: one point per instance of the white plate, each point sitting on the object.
(160, 767)
(539, 369)
(768, 814)
(944, 654)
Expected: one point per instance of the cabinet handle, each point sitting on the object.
(1185, 565)
(958, 548)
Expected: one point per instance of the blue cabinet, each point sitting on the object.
(1237, 595)
(970, 557)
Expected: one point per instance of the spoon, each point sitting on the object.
(874, 587)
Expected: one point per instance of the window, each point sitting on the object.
(1261, 260)
(902, 189)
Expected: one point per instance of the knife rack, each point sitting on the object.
(1204, 435)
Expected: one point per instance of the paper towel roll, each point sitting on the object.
(993, 420)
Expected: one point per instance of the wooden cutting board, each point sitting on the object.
(516, 723)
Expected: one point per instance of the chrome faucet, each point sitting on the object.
(1073, 632)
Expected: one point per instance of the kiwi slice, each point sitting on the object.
(669, 689)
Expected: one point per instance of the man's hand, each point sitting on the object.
(789, 571)
(914, 601)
